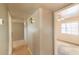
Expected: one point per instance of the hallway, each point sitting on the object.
(39, 29)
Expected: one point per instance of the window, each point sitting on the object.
(70, 28)
(63, 28)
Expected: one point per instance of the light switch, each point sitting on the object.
(1, 21)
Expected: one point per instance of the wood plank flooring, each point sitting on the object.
(21, 50)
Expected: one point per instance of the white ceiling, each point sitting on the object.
(24, 10)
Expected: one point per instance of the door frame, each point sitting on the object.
(10, 33)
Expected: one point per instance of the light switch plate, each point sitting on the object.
(1, 21)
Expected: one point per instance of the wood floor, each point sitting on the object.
(21, 50)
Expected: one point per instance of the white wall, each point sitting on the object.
(17, 31)
(4, 38)
(46, 32)
(40, 36)
(34, 33)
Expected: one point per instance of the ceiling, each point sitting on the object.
(24, 10)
